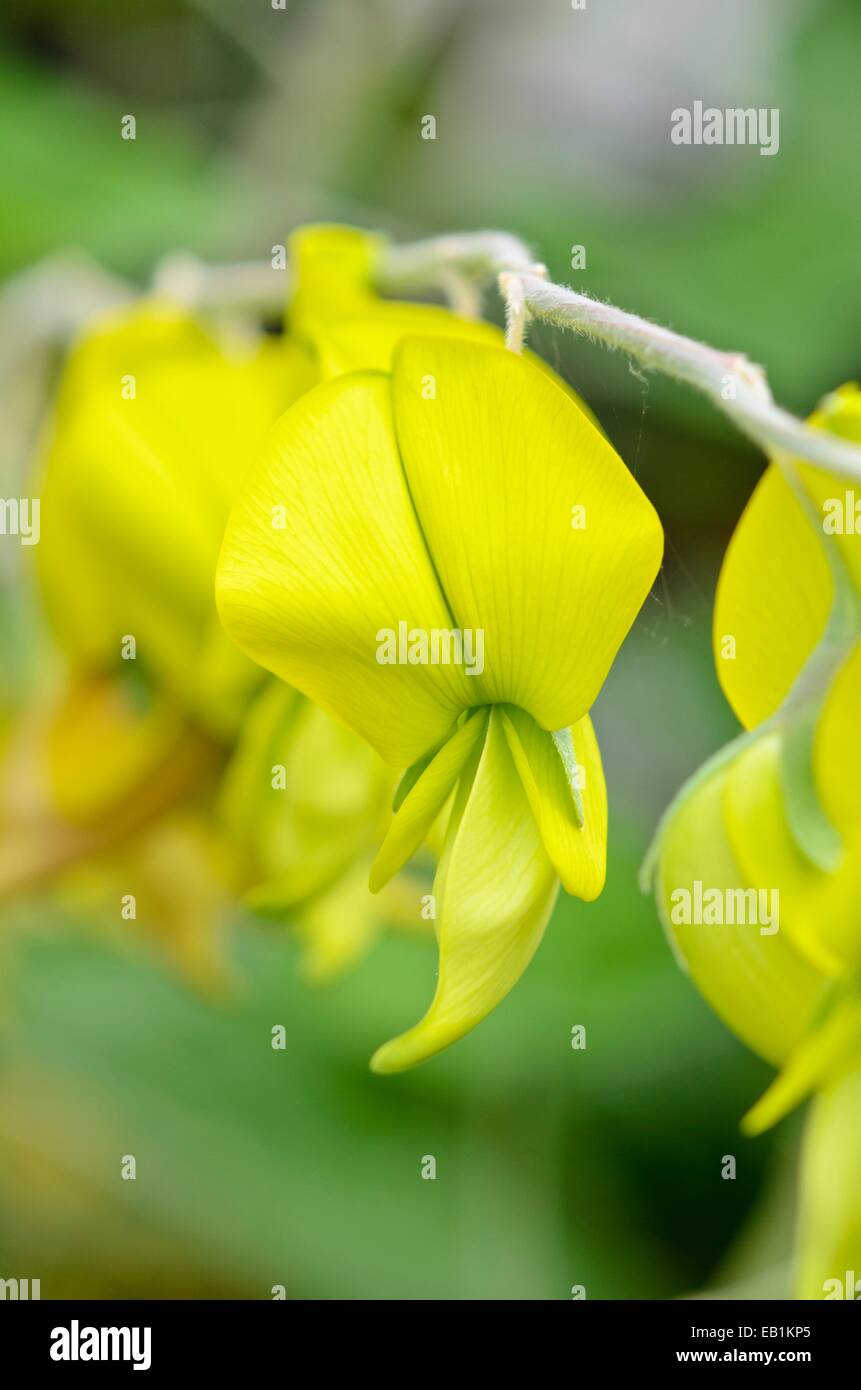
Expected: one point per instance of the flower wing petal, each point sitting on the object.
(578, 853)
(422, 804)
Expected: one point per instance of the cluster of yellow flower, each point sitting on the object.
(379, 463)
(779, 811)
(222, 506)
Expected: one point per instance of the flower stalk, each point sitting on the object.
(736, 386)
(459, 263)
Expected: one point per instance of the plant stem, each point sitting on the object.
(736, 386)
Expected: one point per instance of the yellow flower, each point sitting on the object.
(767, 837)
(104, 794)
(154, 424)
(338, 317)
(302, 803)
(781, 810)
(156, 420)
(829, 1226)
(425, 585)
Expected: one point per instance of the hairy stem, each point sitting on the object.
(736, 386)
(460, 263)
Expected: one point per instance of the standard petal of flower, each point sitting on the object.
(423, 803)
(495, 890)
(323, 559)
(775, 591)
(839, 502)
(540, 536)
(829, 1240)
(368, 341)
(773, 599)
(578, 852)
(759, 984)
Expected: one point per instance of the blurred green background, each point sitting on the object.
(556, 1167)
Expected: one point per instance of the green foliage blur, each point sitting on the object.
(556, 1167)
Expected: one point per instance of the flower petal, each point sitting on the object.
(773, 600)
(577, 852)
(423, 803)
(495, 889)
(760, 985)
(333, 269)
(836, 500)
(309, 600)
(368, 341)
(776, 590)
(136, 490)
(497, 455)
(337, 926)
(837, 746)
(337, 312)
(92, 714)
(767, 853)
(818, 1058)
(829, 1241)
(302, 796)
(817, 907)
